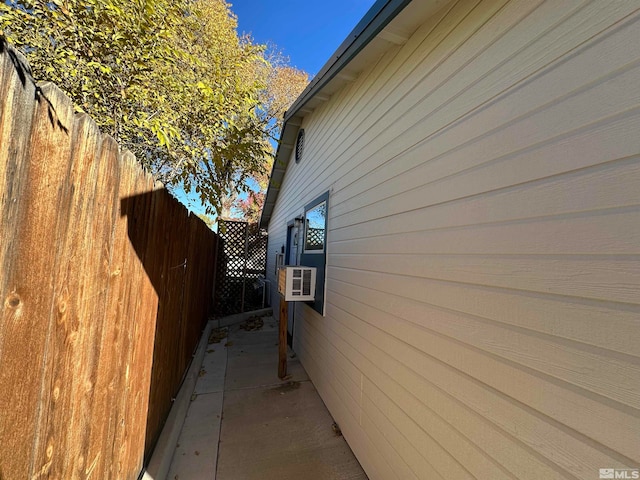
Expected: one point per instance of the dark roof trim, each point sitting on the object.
(374, 21)
(378, 17)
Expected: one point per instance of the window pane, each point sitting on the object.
(314, 228)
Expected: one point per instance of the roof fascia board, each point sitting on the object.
(376, 19)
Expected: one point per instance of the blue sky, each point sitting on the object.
(308, 32)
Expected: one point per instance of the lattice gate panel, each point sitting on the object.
(242, 258)
(314, 239)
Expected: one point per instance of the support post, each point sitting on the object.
(282, 343)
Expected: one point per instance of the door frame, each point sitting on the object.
(291, 247)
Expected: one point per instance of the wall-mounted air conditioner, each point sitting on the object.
(297, 283)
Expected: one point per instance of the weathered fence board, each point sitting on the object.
(105, 285)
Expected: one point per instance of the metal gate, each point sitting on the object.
(242, 259)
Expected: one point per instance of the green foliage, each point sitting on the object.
(209, 221)
(283, 86)
(170, 80)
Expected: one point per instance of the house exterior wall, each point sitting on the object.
(482, 299)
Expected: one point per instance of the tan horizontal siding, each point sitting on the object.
(366, 139)
(564, 318)
(600, 277)
(453, 118)
(321, 365)
(572, 234)
(464, 340)
(597, 188)
(456, 396)
(483, 279)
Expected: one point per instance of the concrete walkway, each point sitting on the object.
(243, 423)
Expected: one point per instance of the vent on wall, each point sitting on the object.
(297, 283)
(299, 145)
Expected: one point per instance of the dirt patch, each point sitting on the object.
(286, 387)
(217, 334)
(252, 323)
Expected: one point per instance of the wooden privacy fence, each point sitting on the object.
(105, 285)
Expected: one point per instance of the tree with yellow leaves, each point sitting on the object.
(171, 80)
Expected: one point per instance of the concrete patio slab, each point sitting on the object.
(282, 431)
(244, 423)
(212, 372)
(196, 453)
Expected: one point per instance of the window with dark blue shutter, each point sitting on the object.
(314, 249)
